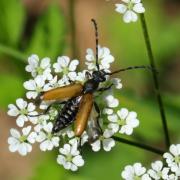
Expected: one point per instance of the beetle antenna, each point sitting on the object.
(131, 68)
(97, 41)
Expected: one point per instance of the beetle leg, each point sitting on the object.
(48, 108)
(105, 88)
(99, 114)
(88, 75)
(55, 103)
(79, 145)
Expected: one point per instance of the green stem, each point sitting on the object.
(139, 145)
(73, 29)
(155, 78)
(12, 52)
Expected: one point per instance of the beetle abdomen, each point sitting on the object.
(67, 114)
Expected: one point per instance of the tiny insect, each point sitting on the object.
(78, 100)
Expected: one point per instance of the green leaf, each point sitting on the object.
(13, 53)
(11, 89)
(48, 37)
(12, 17)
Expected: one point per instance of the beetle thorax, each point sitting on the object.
(92, 84)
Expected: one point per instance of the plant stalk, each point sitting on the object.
(139, 145)
(12, 52)
(73, 28)
(155, 79)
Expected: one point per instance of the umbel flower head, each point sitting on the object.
(70, 157)
(173, 158)
(42, 117)
(137, 171)
(21, 143)
(130, 9)
(22, 110)
(159, 170)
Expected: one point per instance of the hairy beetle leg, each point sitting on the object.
(106, 88)
(48, 108)
(99, 114)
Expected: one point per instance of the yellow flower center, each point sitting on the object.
(39, 70)
(122, 122)
(49, 136)
(137, 178)
(130, 5)
(65, 70)
(24, 111)
(69, 158)
(22, 138)
(177, 159)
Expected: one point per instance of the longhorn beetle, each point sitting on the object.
(79, 104)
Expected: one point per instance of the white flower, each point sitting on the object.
(124, 121)
(77, 140)
(104, 58)
(40, 122)
(117, 83)
(23, 110)
(173, 158)
(34, 86)
(107, 142)
(67, 67)
(37, 67)
(54, 83)
(146, 177)
(21, 143)
(74, 139)
(111, 103)
(134, 172)
(53, 112)
(70, 157)
(44, 105)
(158, 171)
(172, 177)
(130, 9)
(47, 139)
(81, 77)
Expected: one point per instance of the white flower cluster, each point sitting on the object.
(130, 9)
(47, 76)
(121, 121)
(158, 171)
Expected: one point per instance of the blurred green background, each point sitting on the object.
(46, 28)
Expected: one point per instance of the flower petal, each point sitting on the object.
(96, 146)
(21, 103)
(13, 111)
(108, 144)
(20, 120)
(78, 161)
(30, 85)
(15, 133)
(26, 130)
(73, 65)
(22, 149)
(121, 8)
(45, 63)
(139, 8)
(130, 16)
